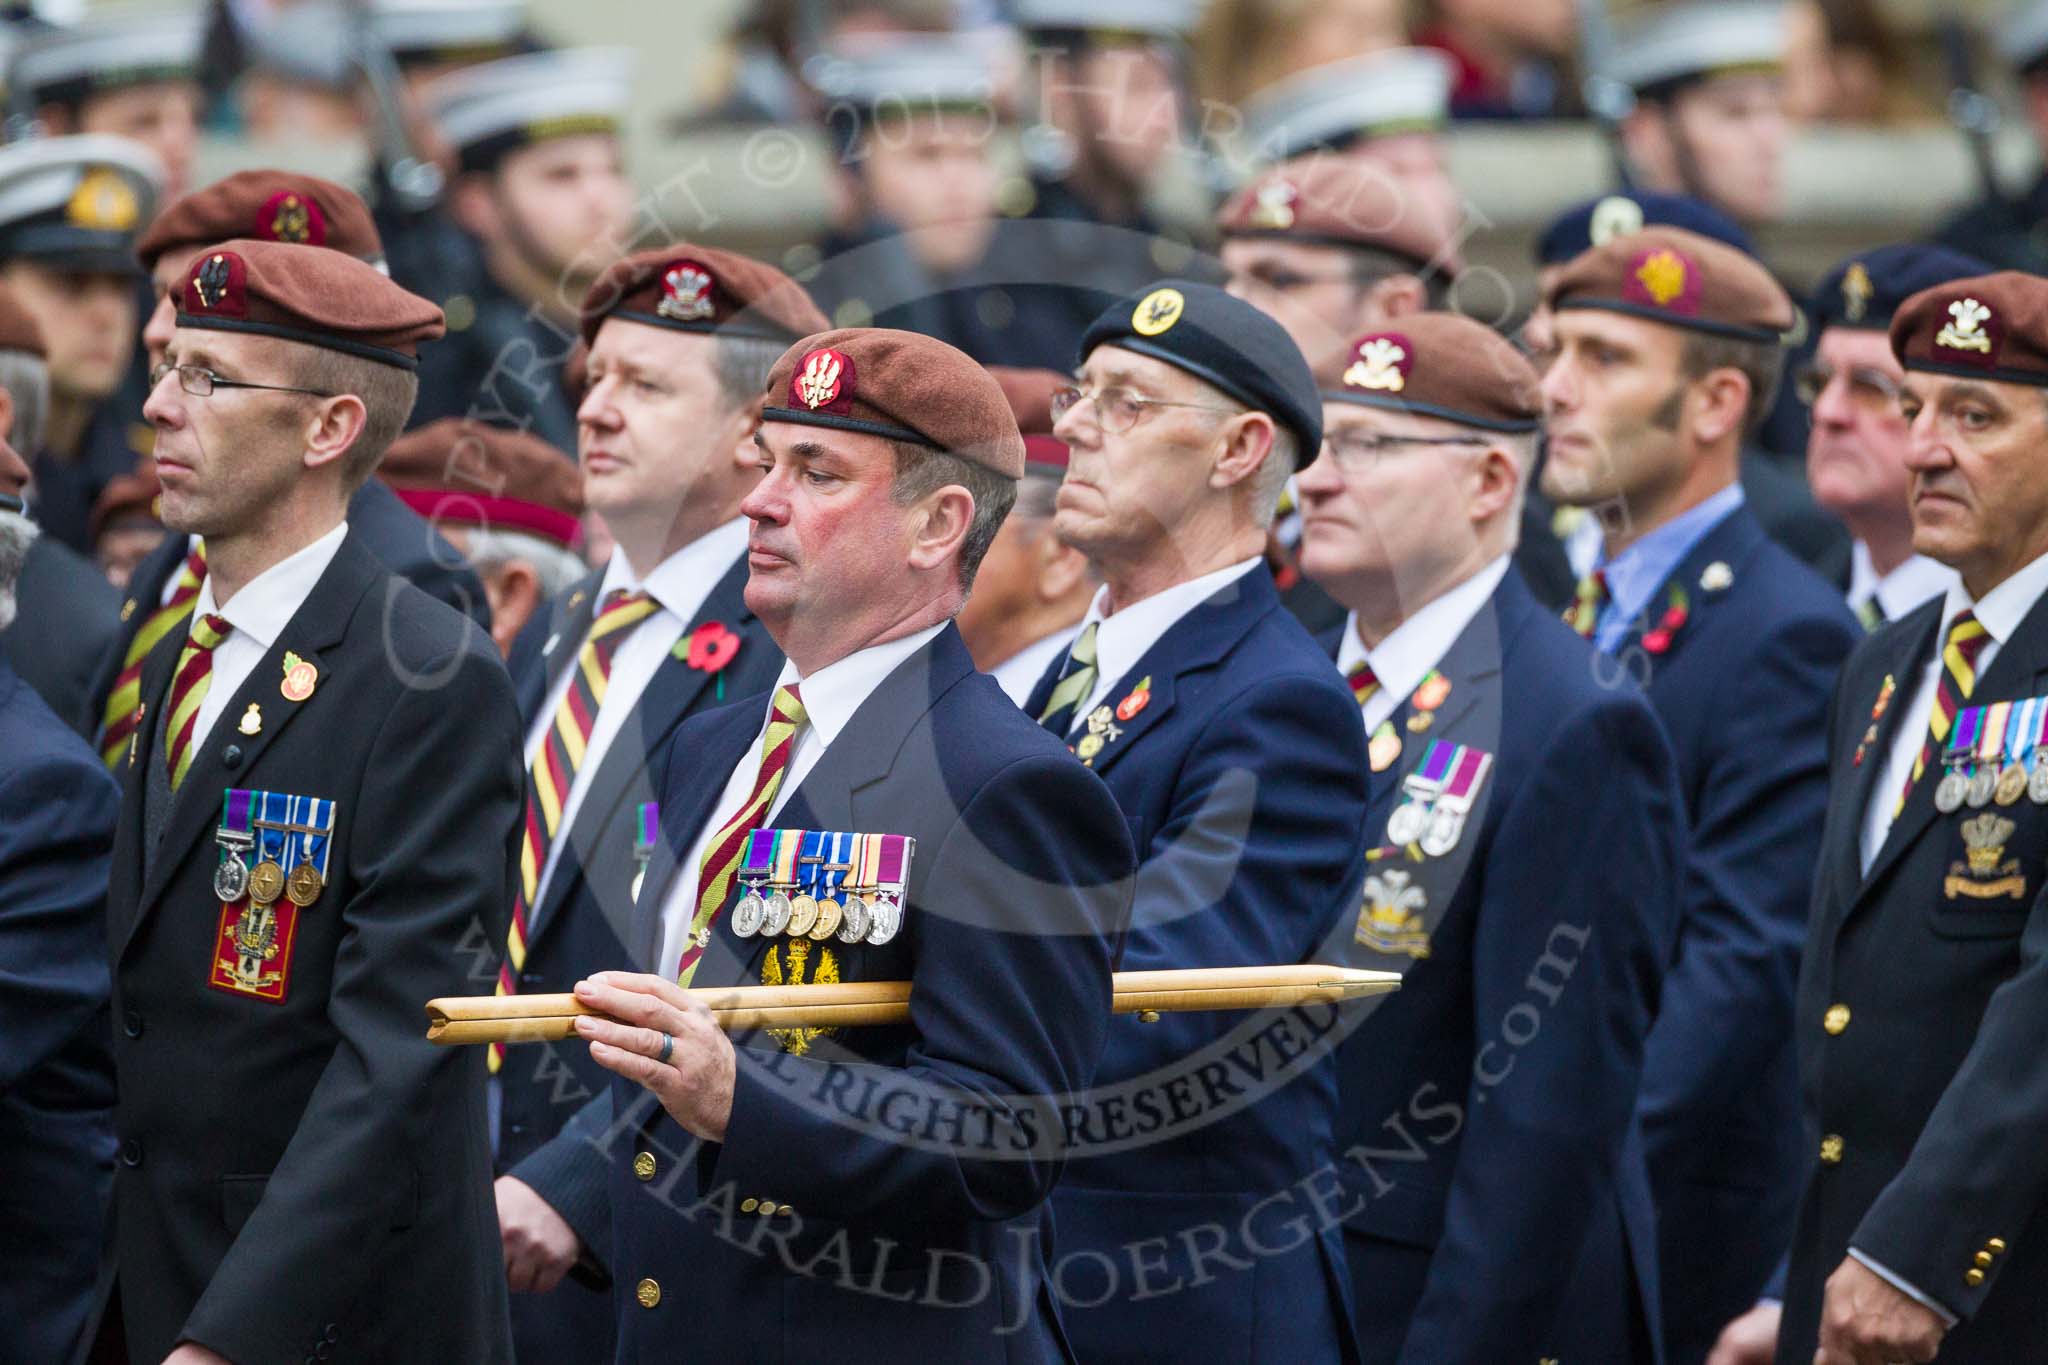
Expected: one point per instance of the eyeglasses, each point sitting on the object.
(1118, 410)
(200, 382)
(1356, 450)
(1870, 389)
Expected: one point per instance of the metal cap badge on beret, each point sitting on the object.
(309, 295)
(69, 65)
(1987, 327)
(903, 386)
(463, 473)
(1440, 365)
(273, 206)
(487, 111)
(1222, 341)
(1397, 90)
(701, 289)
(77, 202)
(1598, 221)
(1340, 201)
(1866, 290)
(19, 331)
(1029, 393)
(1681, 279)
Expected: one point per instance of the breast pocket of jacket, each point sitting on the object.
(1993, 871)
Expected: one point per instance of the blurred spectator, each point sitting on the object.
(1844, 63)
(1709, 117)
(764, 77)
(133, 76)
(1241, 47)
(1514, 57)
(125, 524)
(2000, 228)
(301, 78)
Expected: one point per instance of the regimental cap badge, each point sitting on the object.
(1985, 836)
(1157, 311)
(1967, 328)
(686, 293)
(824, 380)
(291, 217)
(218, 285)
(1273, 205)
(1664, 278)
(1857, 291)
(1381, 362)
(1391, 918)
(1615, 216)
(104, 201)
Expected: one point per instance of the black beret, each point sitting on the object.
(1594, 222)
(1868, 288)
(1222, 341)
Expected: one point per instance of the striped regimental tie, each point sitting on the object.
(1966, 640)
(1588, 599)
(189, 686)
(1073, 688)
(117, 723)
(1364, 682)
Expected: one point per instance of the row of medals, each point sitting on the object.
(2005, 785)
(853, 920)
(264, 882)
(1438, 830)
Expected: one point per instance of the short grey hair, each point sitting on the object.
(1271, 480)
(17, 533)
(492, 547)
(922, 471)
(26, 377)
(741, 364)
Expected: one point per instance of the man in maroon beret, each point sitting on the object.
(1033, 588)
(679, 343)
(507, 501)
(1667, 355)
(928, 832)
(125, 527)
(315, 837)
(1921, 995)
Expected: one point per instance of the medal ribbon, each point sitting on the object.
(276, 812)
(1993, 740)
(1463, 787)
(235, 811)
(649, 829)
(1962, 741)
(788, 847)
(892, 863)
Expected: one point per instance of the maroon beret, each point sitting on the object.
(1990, 327)
(125, 496)
(458, 472)
(1341, 201)
(1440, 365)
(903, 386)
(1680, 278)
(702, 289)
(269, 206)
(19, 331)
(309, 295)
(1029, 394)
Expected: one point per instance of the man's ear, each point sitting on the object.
(1496, 475)
(1399, 296)
(336, 425)
(1245, 442)
(939, 526)
(514, 593)
(1721, 406)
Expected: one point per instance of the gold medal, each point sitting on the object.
(2012, 785)
(1089, 746)
(829, 916)
(266, 882)
(803, 915)
(304, 886)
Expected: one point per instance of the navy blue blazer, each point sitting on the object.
(1742, 691)
(898, 1173)
(1498, 1204)
(1243, 782)
(57, 812)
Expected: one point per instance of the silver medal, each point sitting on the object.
(747, 914)
(2037, 781)
(1949, 792)
(231, 878)
(888, 918)
(1407, 823)
(854, 924)
(1446, 827)
(777, 919)
(1982, 783)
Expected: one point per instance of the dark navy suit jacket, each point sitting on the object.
(881, 1197)
(1243, 783)
(1499, 1205)
(57, 812)
(1742, 692)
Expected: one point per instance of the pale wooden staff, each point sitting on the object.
(454, 1020)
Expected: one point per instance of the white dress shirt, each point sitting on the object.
(678, 585)
(830, 697)
(1899, 592)
(1418, 644)
(170, 587)
(1123, 637)
(1019, 673)
(259, 614)
(2001, 612)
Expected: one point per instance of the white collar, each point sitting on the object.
(267, 602)
(1418, 644)
(683, 576)
(1124, 636)
(1910, 585)
(833, 693)
(2005, 606)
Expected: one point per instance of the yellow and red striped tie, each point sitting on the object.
(1966, 640)
(117, 723)
(1583, 615)
(189, 686)
(722, 858)
(554, 769)
(1364, 682)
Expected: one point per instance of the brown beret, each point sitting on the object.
(1029, 394)
(269, 206)
(1341, 201)
(126, 496)
(1440, 365)
(702, 289)
(903, 386)
(464, 473)
(19, 330)
(1989, 327)
(309, 295)
(1680, 278)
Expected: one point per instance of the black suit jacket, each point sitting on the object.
(67, 624)
(312, 1174)
(1933, 1081)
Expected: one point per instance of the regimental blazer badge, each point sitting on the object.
(1390, 920)
(271, 866)
(1985, 872)
(777, 971)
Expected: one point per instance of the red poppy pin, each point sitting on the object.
(1658, 638)
(708, 649)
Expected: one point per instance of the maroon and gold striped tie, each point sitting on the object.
(117, 722)
(554, 769)
(1588, 599)
(1364, 682)
(189, 686)
(1966, 640)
